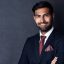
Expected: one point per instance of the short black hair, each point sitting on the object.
(42, 4)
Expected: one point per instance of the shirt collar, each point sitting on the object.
(48, 33)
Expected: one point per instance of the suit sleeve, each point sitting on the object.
(24, 58)
(60, 52)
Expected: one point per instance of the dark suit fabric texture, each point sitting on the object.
(30, 53)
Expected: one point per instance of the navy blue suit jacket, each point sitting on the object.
(30, 53)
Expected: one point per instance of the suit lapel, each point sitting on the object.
(36, 52)
(50, 40)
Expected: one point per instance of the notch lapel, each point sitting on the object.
(50, 41)
(36, 52)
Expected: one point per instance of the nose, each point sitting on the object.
(42, 19)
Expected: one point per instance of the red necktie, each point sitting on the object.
(41, 44)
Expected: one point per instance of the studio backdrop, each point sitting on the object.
(16, 24)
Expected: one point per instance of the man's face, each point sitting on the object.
(43, 19)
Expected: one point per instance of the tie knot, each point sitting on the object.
(43, 37)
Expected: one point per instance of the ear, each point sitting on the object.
(34, 17)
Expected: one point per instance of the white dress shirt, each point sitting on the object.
(47, 34)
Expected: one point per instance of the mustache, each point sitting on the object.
(43, 23)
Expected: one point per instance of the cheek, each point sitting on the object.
(37, 21)
(47, 19)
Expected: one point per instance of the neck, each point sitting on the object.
(43, 33)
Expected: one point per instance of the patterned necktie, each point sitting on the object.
(41, 44)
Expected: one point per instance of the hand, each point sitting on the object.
(54, 60)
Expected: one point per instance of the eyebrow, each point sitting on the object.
(40, 15)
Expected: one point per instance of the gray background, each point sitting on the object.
(16, 24)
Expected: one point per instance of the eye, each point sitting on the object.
(37, 16)
(46, 14)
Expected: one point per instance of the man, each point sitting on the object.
(49, 49)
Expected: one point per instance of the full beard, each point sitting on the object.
(45, 28)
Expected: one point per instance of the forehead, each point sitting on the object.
(42, 11)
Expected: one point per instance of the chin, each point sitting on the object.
(45, 29)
